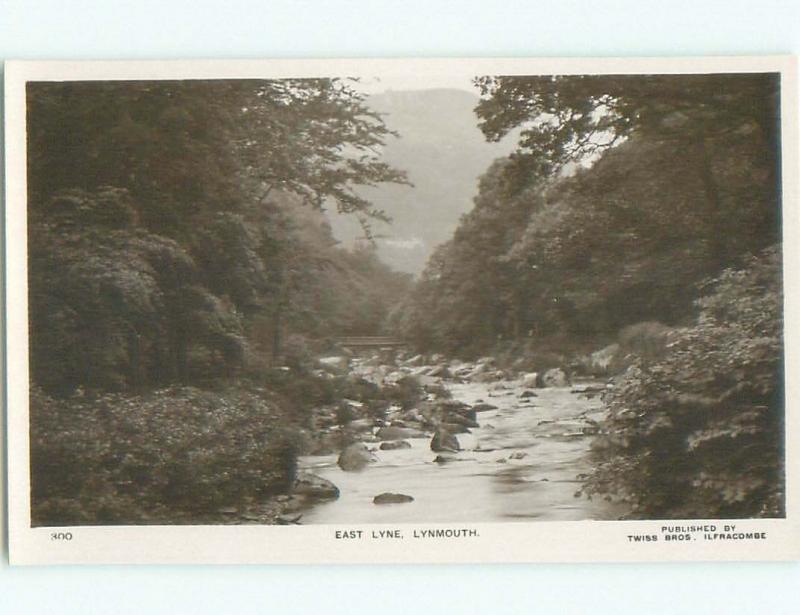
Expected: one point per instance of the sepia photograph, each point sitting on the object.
(409, 298)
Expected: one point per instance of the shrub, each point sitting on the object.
(699, 433)
(171, 456)
(648, 339)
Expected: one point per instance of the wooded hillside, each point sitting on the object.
(572, 259)
(176, 231)
(180, 266)
(640, 215)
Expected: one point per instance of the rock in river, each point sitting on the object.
(438, 370)
(453, 427)
(360, 425)
(395, 445)
(337, 364)
(444, 441)
(355, 457)
(314, 487)
(398, 433)
(288, 519)
(530, 380)
(461, 419)
(555, 378)
(392, 498)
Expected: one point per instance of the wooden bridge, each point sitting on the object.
(370, 343)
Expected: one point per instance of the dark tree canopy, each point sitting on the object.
(624, 193)
(567, 118)
(187, 147)
(176, 226)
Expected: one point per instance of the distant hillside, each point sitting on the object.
(444, 153)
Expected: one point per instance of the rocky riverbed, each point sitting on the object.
(483, 444)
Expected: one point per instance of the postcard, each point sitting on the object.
(401, 311)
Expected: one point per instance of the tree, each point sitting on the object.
(575, 118)
(189, 147)
(699, 432)
(114, 306)
(567, 118)
(569, 258)
(164, 219)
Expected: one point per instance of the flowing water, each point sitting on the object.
(521, 464)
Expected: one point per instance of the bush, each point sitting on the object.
(648, 340)
(699, 433)
(171, 456)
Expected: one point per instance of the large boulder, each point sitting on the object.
(440, 371)
(338, 364)
(398, 433)
(454, 427)
(457, 412)
(451, 405)
(415, 361)
(429, 381)
(394, 445)
(355, 457)
(461, 419)
(555, 378)
(395, 376)
(490, 375)
(313, 487)
(392, 498)
(412, 416)
(529, 380)
(476, 372)
(500, 385)
(360, 425)
(444, 441)
(463, 371)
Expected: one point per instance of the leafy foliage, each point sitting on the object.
(176, 238)
(187, 147)
(568, 259)
(176, 227)
(112, 306)
(170, 456)
(571, 118)
(699, 433)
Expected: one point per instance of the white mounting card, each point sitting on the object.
(402, 310)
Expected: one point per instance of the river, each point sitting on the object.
(521, 464)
